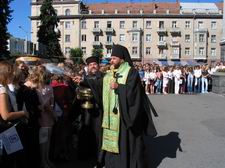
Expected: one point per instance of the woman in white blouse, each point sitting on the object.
(6, 75)
(8, 112)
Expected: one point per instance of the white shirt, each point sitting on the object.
(177, 73)
(2, 89)
(197, 73)
(152, 75)
(170, 75)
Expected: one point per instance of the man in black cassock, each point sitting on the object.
(126, 113)
(93, 117)
(123, 133)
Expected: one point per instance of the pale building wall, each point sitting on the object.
(75, 31)
(72, 31)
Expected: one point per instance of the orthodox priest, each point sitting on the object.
(126, 113)
(93, 117)
(126, 116)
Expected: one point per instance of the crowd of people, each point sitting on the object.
(111, 132)
(178, 79)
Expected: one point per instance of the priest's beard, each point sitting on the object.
(116, 66)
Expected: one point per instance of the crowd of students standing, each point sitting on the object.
(177, 79)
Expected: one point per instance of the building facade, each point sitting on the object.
(170, 31)
(20, 46)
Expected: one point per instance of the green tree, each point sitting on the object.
(5, 18)
(76, 54)
(97, 52)
(48, 34)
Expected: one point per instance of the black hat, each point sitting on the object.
(121, 52)
(92, 59)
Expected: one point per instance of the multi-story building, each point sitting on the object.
(149, 30)
(20, 46)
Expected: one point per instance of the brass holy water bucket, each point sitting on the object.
(86, 95)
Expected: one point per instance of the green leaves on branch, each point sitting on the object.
(5, 18)
(48, 33)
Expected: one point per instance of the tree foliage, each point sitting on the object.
(5, 18)
(97, 52)
(48, 34)
(76, 54)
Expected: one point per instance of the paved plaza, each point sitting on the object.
(197, 122)
(191, 133)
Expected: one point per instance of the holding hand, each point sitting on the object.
(77, 79)
(114, 85)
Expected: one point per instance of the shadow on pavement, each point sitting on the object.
(162, 147)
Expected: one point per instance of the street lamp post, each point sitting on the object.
(26, 40)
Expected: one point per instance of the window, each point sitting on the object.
(174, 24)
(122, 37)
(174, 39)
(134, 24)
(83, 37)
(67, 25)
(84, 50)
(96, 24)
(187, 24)
(67, 12)
(161, 38)
(187, 51)
(201, 51)
(187, 38)
(134, 37)
(161, 24)
(175, 51)
(96, 38)
(67, 38)
(83, 24)
(148, 50)
(148, 37)
(200, 24)
(109, 24)
(109, 38)
(213, 38)
(213, 25)
(161, 51)
(148, 24)
(213, 52)
(201, 37)
(67, 50)
(122, 24)
(134, 50)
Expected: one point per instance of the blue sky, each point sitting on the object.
(21, 13)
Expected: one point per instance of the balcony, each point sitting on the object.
(175, 44)
(175, 31)
(97, 30)
(175, 56)
(96, 43)
(162, 56)
(162, 30)
(162, 44)
(200, 57)
(138, 30)
(109, 30)
(201, 30)
(109, 43)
